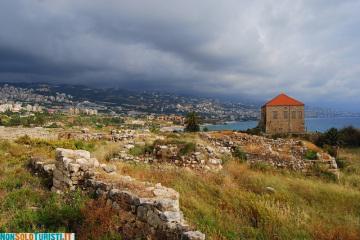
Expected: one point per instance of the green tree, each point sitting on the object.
(192, 122)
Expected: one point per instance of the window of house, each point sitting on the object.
(286, 114)
(275, 114)
(293, 115)
(299, 114)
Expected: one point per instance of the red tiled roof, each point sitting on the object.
(283, 100)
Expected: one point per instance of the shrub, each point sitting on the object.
(66, 211)
(310, 155)
(26, 140)
(137, 150)
(99, 221)
(341, 163)
(346, 137)
(239, 154)
(254, 131)
(349, 137)
(149, 149)
(89, 146)
(154, 128)
(192, 122)
(332, 150)
(187, 148)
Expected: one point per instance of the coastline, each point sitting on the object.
(312, 124)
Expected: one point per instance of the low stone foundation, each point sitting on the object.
(279, 153)
(146, 210)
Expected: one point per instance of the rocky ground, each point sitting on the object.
(207, 151)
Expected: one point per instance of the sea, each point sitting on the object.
(311, 124)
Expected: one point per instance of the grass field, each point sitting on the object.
(235, 203)
(27, 205)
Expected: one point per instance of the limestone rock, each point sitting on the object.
(84, 164)
(49, 168)
(82, 154)
(74, 167)
(193, 235)
(215, 161)
(109, 168)
(165, 204)
(153, 219)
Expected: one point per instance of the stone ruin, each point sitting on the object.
(280, 153)
(86, 135)
(202, 158)
(146, 210)
(72, 167)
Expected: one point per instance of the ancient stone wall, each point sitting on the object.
(72, 168)
(146, 210)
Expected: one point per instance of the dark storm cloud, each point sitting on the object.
(233, 47)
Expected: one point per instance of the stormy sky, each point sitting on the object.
(251, 49)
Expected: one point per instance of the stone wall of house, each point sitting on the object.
(146, 210)
(290, 119)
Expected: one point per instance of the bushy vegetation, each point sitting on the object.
(311, 155)
(187, 148)
(192, 122)
(239, 154)
(254, 131)
(154, 128)
(137, 150)
(345, 137)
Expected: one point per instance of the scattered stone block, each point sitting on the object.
(109, 168)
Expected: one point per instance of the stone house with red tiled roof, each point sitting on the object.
(282, 114)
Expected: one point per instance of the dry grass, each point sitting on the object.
(311, 146)
(234, 203)
(103, 150)
(99, 221)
